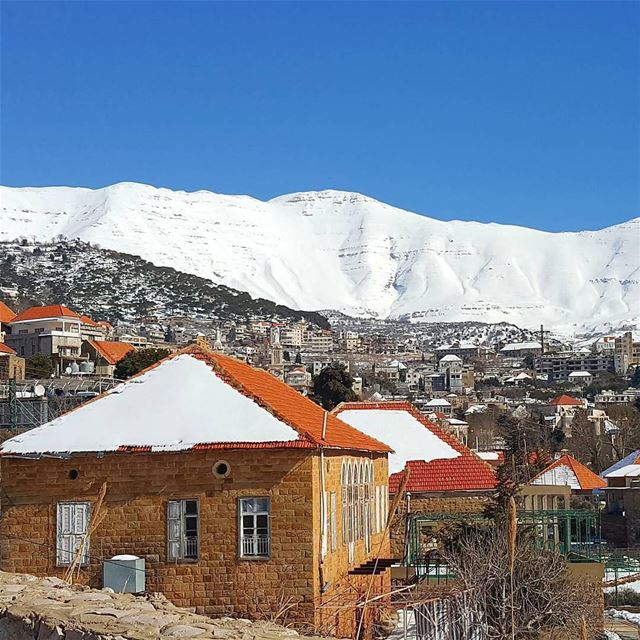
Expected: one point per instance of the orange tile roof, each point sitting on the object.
(49, 311)
(104, 324)
(587, 479)
(112, 352)
(6, 314)
(286, 404)
(87, 320)
(467, 472)
(566, 400)
(6, 349)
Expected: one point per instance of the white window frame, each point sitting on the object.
(180, 547)
(333, 519)
(72, 524)
(254, 546)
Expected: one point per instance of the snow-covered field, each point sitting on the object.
(345, 251)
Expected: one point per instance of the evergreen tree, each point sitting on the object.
(333, 385)
(39, 365)
(136, 361)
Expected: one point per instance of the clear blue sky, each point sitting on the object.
(527, 113)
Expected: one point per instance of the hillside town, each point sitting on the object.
(391, 439)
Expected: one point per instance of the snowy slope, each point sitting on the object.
(345, 251)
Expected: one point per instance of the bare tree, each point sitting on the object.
(521, 590)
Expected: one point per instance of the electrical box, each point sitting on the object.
(124, 574)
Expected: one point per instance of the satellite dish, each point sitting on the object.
(38, 390)
(67, 370)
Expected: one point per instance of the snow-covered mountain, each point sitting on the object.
(345, 251)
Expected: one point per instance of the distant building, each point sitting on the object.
(560, 366)
(520, 349)
(300, 379)
(626, 353)
(53, 330)
(105, 355)
(91, 330)
(567, 471)
(439, 405)
(451, 367)
(462, 349)
(581, 377)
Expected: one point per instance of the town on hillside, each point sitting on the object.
(344, 480)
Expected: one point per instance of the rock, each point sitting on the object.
(183, 631)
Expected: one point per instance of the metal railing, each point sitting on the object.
(256, 545)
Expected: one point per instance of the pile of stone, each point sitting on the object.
(50, 609)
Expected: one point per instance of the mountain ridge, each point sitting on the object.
(340, 250)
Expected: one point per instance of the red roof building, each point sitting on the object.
(6, 349)
(224, 471)
(45, 312)
(6, 314)
(441, 463)
(567, 471)
(566, 401)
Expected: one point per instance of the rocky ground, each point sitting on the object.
(50, 609)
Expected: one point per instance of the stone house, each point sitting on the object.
(105, 355)
(444, 476)
(244, 497)
(12, 366)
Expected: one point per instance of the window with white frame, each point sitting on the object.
(72, 527)
(255, 530)
(358, 520)
(182, 530)
(333, 507)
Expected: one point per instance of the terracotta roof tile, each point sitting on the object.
(87, 320)
(49, 311)
(292, 408)
(467, 472)
(112, 352)
(587, 479)
(6, 349)
(6, 314)
(566, 400)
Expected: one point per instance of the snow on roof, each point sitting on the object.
(628, 471)
(568, 471)
(409, 437)
(488, 455)
(476, 408)
(523, 376)
(450, 358)
(438, 402)
(396, 363)
(632, 458)
(517, 346)
(456, 423)
(193, 399)
(580, 374)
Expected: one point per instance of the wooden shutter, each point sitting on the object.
(72, 525)
(174, 530)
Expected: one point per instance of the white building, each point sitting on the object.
(451, 367)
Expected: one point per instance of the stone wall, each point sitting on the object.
(292, 582)
(50, 609)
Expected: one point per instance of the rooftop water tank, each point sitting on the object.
(87, 367)
(124, 574)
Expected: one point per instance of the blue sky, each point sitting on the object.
(526, 113)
